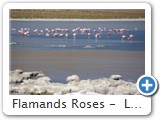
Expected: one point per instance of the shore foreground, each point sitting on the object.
(37, 83)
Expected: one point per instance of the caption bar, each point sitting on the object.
(76, 105)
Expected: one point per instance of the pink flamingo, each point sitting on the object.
(124, 37)
(89, 35)
(56, 34)
(13, 30)
(66, 36)
(97, 35)
(61, 35)
(109, 34)
(48, 35)
(74, 35)
(24, 32)
(131, 37)
(74, 31)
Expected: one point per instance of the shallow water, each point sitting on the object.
(86, 56)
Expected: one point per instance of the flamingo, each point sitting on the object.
(97, 35)
(124, 37)
(41, 31)
(109, 34)
(131, 37)
(55, 34)
(61, 35)
(64, 32)
(13, 30)
(48, 35)
(74, 31)
(74, 35)
(89, 35)
(66, 36)
(39, 34)
(94, 31)
(35, 31)
(24, 32)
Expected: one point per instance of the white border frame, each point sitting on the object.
(6, 60)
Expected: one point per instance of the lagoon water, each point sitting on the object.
(86, 56)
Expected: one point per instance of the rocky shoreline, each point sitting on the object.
(37, 83)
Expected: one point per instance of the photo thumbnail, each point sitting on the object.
(76, 51)
(77, 59)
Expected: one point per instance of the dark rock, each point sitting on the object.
(116, 77)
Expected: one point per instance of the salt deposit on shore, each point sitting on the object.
(37, 83)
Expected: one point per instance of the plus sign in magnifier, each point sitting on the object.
(147, 85)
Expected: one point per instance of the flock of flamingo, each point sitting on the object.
(65, 32)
